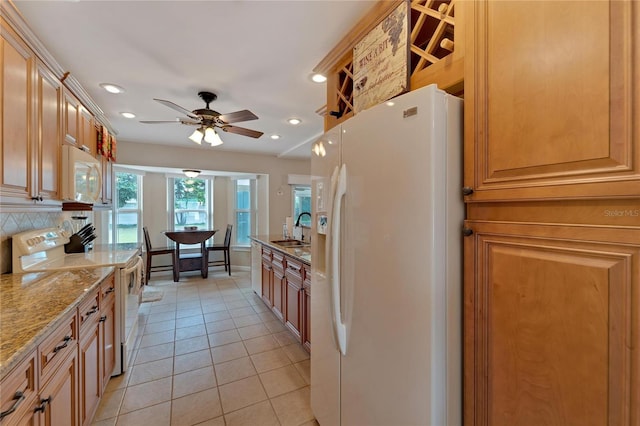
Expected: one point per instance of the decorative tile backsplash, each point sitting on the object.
(12, 223)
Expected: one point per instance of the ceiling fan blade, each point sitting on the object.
(242, 131)
(181, 121)
(235, 117)
(177, 108)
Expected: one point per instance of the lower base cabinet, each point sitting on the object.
(286, 289)
(61, 382)
(551, 324)
(59, 397)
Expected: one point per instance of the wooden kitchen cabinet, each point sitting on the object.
(552, 108)
(293, 305)
(59, 397)
(30, 144)
(48, 133)
(267, 277)
(88, 135)
(71, 107)
(551, 324)
(19, 394)
(18, 63)
(279, 284)
(89, 358)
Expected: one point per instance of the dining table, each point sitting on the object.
(190, 261)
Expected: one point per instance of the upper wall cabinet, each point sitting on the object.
(30, 144)
(71, 107)
(551, 100)
(48, 136)
(17, 111)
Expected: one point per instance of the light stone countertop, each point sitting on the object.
(33, 304)
(303, 254)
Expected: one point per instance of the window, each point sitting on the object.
(191, 201)
(301, 196)
(127, 214)
(245, 210)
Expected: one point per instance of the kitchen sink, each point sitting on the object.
(290, 243)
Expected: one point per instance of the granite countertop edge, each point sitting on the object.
(289, 251)
(15, 348)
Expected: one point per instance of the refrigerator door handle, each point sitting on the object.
(336, 229)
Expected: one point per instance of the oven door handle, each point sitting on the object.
(136, 268)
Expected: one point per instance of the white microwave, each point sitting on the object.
(81, 176)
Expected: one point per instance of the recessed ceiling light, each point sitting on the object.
(128, 115)
(112, 88)
(294, 121)
(275, 136)
(390, 103)
(318, 78)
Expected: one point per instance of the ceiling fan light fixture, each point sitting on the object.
(196, 136)
(191, 173)
(211, 136)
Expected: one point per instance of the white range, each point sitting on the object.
(42, 250)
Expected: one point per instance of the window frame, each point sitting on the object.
(113, 234)
(208, 210)
(252, 210)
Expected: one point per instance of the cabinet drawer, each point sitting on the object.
(266, 254)
(88, 310)
(61, 342)
(278, 261)
(294, 272)
(18, 390)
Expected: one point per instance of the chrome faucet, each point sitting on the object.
(300, 215)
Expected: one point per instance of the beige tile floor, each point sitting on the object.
(211, 353)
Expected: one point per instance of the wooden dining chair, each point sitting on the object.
(224, 248)
(155, 252)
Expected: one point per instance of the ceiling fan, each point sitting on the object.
(207, 120)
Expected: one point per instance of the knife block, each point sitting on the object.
(75, 245)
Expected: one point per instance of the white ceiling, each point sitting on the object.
(255, 55)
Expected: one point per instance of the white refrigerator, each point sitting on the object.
(386, 317)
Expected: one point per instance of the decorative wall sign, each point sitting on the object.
(380, 61)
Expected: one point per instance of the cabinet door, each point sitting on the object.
(267, 283)
(279, 291)
(88, 136)
(17, 115)
(59, 397)
(48, 110)
(90, 372)
(292, 313)
(551, 325)
(551, 104)
(71, 107)
(108, 336)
